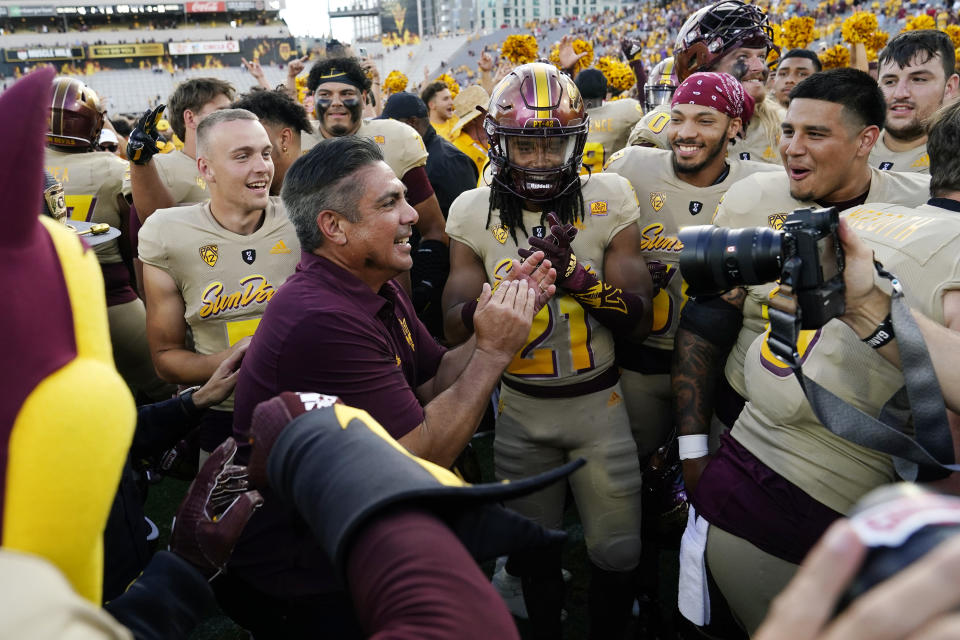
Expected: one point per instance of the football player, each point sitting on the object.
(735, 38)
(156, 180)
(92, 188)
(916, 76)
(213, 266)
(677, 188)
(794, 66)
(651, 131)
(832, 123)
(791, 475)
(561, 397)
(610, 123)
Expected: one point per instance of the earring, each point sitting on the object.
(283, 149)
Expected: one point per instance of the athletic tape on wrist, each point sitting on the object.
(695, 446)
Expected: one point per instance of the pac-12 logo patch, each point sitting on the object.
(776, 220)
(695, 207)
(885, 166)
(249, 255)
(209, 254)
(657, 200)
(598, 208)
(500, 233)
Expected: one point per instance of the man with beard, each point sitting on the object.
(676, 188)
(916, 76)
(833, 121)
(733, 37)
(561, 397)
(339, 87)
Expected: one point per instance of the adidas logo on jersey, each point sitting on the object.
(922, 162)
(280, 247)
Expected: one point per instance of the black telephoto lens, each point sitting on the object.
(716, 259)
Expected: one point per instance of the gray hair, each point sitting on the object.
(321, 180)
(212, 120)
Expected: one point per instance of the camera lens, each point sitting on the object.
(716, 259)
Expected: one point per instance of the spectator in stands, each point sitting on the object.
(172, 179)
(285, 120)
(439, 101)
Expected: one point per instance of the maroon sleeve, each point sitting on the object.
(332, 354)
(411, 579)
(429, 352)
(418, 185)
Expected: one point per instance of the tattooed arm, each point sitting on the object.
(708, 329)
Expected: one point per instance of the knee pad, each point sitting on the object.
(616, 553)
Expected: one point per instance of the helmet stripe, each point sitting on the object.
(59, 99)
(542, 88)
(667, 72)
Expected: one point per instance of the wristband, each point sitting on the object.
(695, 446)
(882, 335)
(466, 314)
(186, 402)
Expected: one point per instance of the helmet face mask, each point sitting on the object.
(537, 126)
(661, 84)
(76, 117)
(715, 30)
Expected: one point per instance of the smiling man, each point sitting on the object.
(342, 325)
(734, 37)
(439, 101)
(213, 267)
(916, 76)
(832, 122)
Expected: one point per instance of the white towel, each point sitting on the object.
(694, 597)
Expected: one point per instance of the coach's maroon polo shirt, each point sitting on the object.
(325, 331)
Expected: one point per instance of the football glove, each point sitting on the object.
(571, 275)
(214, 512)
(142, 143)
(659, 273)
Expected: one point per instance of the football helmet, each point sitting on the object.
(76, 117)
(537, 127)
(660, 85)
(714, 30)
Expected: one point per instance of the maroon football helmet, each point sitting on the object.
(537, 126)
(76, 116)
(714, 30)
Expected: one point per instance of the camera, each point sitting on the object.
(805, 254)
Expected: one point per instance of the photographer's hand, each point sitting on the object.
(866, 304)
(916, 603)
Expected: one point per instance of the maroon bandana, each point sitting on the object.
(719, 91)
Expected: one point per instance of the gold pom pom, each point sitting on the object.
(920, 22)
(450, 82)
(836, 57)
(395, 82)
(858, 27)
(520, 49)
(579, 46)
(797, 33)
(619, 75)
(953, 30)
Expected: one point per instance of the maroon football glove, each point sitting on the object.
(214, 512)
(659, 274)
(571, 275)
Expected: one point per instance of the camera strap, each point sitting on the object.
(920, 398)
